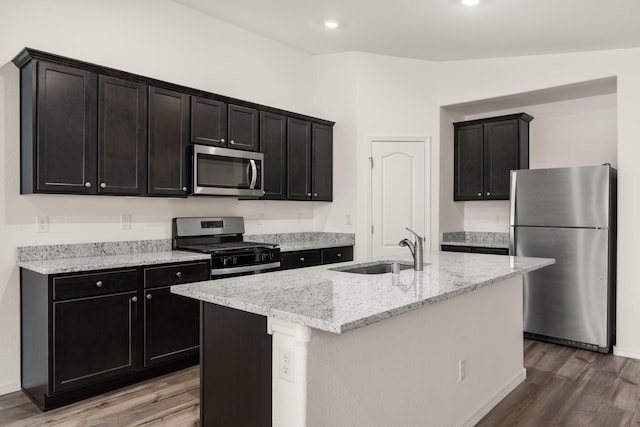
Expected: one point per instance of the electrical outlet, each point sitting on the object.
(125, 222)
(462, 370)
(286, 363)
(260, 218)
(348, 219)
(299, 218)
(42, 224)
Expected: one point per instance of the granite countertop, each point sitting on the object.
(88, 263)
(76, 257)
(338, 302)
(475, 238)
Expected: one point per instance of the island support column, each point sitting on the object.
(289, 372)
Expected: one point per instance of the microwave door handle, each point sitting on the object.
(254, 174)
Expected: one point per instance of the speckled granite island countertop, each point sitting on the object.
(338, 302)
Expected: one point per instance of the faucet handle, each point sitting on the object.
(418, 238)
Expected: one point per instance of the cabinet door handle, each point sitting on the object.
(103, 185)
(222, 140)
(134, 299)
(232, 142)
(87, 184)
(479, 194)
(184, 188)
(315, 194)
(99, 283)
(149, 296)
(308, 194)
(488, 193)
(179, 274)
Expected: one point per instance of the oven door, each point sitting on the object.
(225, 172)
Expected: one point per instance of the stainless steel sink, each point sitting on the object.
(379, 267)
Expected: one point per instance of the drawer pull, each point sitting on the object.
(99, 283)
(179, 274)
(339, 255)
(301, 258)
(149, 296)
(134, 299)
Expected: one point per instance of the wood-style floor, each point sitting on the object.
(571, 387)
(171, 400)
(564, 387)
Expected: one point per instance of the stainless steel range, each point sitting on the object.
(222, 237)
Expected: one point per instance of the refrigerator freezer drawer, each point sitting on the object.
(569, 300)
(563, 197)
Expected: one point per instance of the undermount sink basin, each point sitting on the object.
(380, 267)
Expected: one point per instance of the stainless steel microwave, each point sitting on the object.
(225, 172)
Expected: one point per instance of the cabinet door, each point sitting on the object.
(322, 162)
(122, 136)
(93, 339)
(66, 147)
(500, 157)
(298, 159)
(208, 122)
(273, 144)
(468, 162)
(172, 326)
(168, 139)
(243, 128)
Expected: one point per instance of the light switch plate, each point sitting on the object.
(125, 222)
(42, 224)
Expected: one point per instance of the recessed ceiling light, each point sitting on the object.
(331, 24)
(470, 2)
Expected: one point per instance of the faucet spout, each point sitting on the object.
(416, 249)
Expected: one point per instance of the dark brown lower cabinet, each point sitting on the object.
(312, 257)
(93, 339)
(235, 368)
(86, 333)
(172, 326)
(474, 249)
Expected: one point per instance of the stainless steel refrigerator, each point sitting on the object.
(568, 214)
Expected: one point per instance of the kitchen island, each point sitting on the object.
(318, 346)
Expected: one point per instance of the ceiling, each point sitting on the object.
(436, 30)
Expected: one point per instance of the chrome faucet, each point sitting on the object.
(416, 249)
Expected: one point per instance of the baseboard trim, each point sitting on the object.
(626, 353)
(9, 388)
(495, 399)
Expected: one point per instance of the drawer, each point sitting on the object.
(495, 251)
(94, 284)
(341, 254)
(175, 274)
(455, 248)
(300, 259)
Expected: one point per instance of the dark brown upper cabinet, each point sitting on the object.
(273, 144)
(168, 142)
(309, 161)
(122, 136)
(321, 162)
(485, 151)
(89, 129)
(58, 129)
(208, 121)
(243, 128)
(298, 159)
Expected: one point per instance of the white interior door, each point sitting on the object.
(398, 195)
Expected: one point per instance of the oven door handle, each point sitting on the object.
(243, 269)
(254, 174)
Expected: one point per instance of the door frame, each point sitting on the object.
(426, 140)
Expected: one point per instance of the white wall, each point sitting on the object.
(374, 96)
(576, 132)
(155, 38)
(506, 76)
